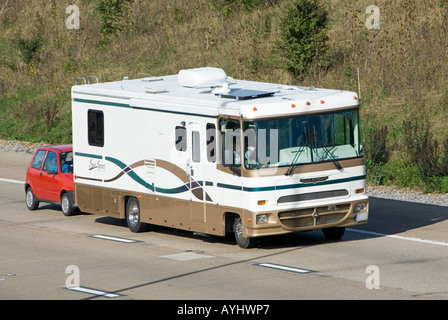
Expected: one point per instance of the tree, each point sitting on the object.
(302, 44)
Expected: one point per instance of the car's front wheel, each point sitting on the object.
(30, 199)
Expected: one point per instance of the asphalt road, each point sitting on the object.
(402, 253)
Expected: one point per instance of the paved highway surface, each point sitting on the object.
(402, 253)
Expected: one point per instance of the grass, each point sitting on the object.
(403, 65)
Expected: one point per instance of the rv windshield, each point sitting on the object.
(299, 140)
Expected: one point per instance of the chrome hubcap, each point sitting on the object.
(64, 204)
(29, 198)
(133, 213)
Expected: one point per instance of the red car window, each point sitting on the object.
(51, 162)
(66, 159)
(38, 158)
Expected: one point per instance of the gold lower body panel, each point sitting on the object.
(210, 218)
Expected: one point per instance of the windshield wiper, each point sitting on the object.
(336, 162)
(295, 162)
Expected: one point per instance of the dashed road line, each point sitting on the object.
(284, 268)
(185, 256)
(95, 292)
(377, 234)
(12, 181)
(106, 237)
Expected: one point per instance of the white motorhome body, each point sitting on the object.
(203, 152)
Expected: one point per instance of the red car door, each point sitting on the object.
(35, 172)
(50, 184)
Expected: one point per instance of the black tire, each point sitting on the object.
(133, 216)
(333, 233)
(243, 242)
(67, 205)
(30, 199)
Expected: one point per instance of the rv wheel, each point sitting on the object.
(333, 233)
(243, 242)
(133, 216)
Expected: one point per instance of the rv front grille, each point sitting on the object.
(311, 217)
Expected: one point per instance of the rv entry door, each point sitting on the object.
(196, 171)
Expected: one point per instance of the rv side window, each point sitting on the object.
(180, 138)
(196, 156)
(211, 142)
(230, 142)
(95, 128)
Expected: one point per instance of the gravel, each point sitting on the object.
(19, 146)
(392, 193)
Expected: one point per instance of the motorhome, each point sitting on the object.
(204, 152)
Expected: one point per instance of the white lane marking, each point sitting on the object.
(12, 181)
(284, 268)
(439, 243)
(104, 237)
(186, 256)
(94, 292)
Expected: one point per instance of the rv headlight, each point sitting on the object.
(262, 218)
(361, 206)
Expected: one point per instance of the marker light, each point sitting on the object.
(261, 202)
(358, 191)
(293, 105)
(322, 101)
(308, 103)
(255, 109)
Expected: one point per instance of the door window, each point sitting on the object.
(51, 162)
(38, 159)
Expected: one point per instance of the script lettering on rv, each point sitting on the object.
(96, 165)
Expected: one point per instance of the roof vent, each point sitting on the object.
(202, 77)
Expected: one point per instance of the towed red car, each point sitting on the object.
(49, 178)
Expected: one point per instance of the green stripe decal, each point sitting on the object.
(183, 188)
(117, 162)
(88, 155)
(104, 103)
(127, 105)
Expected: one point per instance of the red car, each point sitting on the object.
(49, 178)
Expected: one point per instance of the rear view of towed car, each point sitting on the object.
(49, 178)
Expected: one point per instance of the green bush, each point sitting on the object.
(377, 150)
(112, 13)
(303, 35)
(421, 147)
(29, 49)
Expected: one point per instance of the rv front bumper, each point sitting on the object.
(308, 218)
